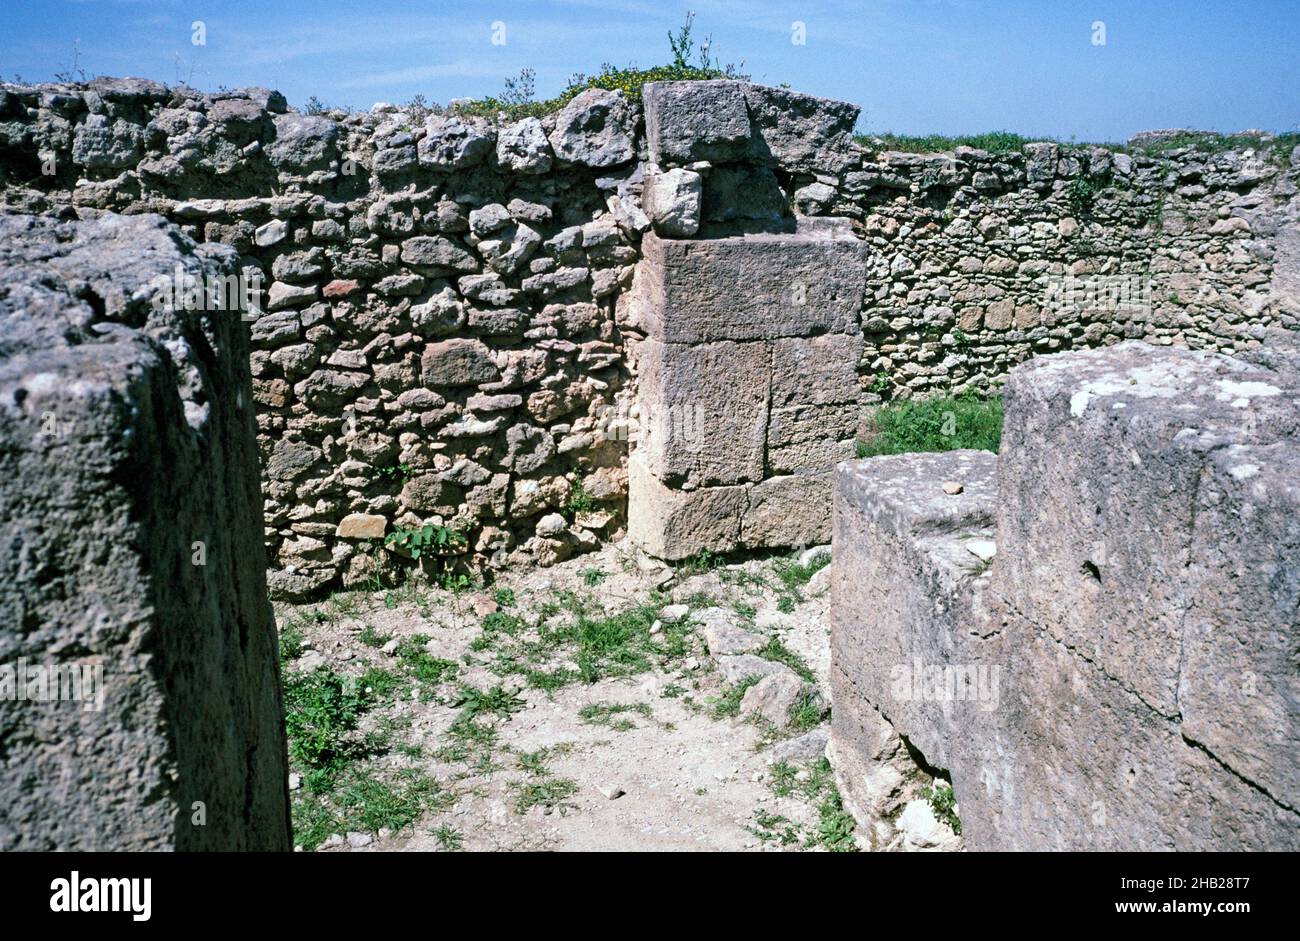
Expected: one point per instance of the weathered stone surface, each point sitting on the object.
(788, 510)
(458, 362)
(134, 425)
(1044, 681)
(755, 287)
(732, 120)
(362, 526)
(1097, 439)
(672, 201)
(690, 121)
(775, 696)
(303, 142)
(594, 129)
(703, 411)
(453, 143)
(675, 524)
(523, 147)
(723, 636)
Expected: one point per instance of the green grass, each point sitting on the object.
(292, 642)
(366, 802)
(321, 709)
(793, 576)
(995, 142)
(613, 715)
(496, 701)
(449, 838)
(1002, 142)
(778, 652)
(934, 424)
(835, 826)
(727, 705)
(1280, 145)
(372, 638)
(807, 713)
(421, 664)
(549, 792)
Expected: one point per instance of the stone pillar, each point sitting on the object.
(1122, 676)
(140, 704)
(747, 377)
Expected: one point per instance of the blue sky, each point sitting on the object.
(915, 66)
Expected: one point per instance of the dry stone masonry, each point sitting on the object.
(1093, 635)
(450, 333)
(141, 692)
(660, 318)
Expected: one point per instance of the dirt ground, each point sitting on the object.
(568, 708)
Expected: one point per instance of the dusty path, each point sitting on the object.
(586, 706)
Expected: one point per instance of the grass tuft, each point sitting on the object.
(934, 424)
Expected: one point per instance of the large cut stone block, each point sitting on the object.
(904, 576)
(133, 568)
(1239, 687)
(689, 121)
(793, 510)
(1081, 733)
(722, 121)
(703, 411)
(675, 524)
(752, 287)
(820, 370)
(1103, 455)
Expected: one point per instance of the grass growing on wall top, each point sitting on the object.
(517, 101)
(934, 424)
(1002, 142)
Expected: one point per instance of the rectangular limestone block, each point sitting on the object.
(793, 510)
(133, 602)
(675, 524)
(723, 121)
(821, 370)
(1239, 688)
(809, 438)
(703, 411)
(1104, 453)
(751, 287)
(1075, 760)
(690, 121)
(904, 575)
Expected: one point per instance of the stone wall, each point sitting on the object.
(140, 705)
(1093, 635)
(445, 336)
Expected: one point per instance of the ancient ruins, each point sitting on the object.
(659, 322)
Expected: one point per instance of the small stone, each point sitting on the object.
(612, 792)
(951, 487)
(983, 549)
(361, 526)
(295, 780)
(674, 612)
(358, 840)
(483, 605)
(552, 524)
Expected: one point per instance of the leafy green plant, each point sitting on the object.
(516, 100)
(395, 471)
(1081, 194)
(934, 424)
(320, 710)
(943, 802)
(579, 501)
(428, 539)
